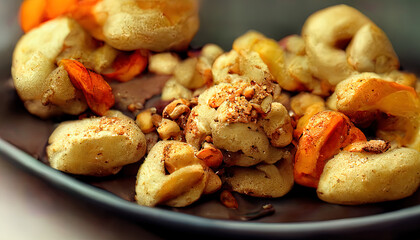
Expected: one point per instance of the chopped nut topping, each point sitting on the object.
(176, 108)
(210, 155)
(228, 200)
(168, 129)
(144, 121)
(239, 100)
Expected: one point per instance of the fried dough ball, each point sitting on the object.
(154, 25)
(263, 180)
(352, 178)
(371, 51)
(248, 140)
(97, 146)
(362, 97)
(243, 65)
(46, 89)
(208, 54)
(401, 77)
(192, 75)
(172, 175)
(405, 131)
(395, 108)
(271, 54)
(305, 105)
(242, 118)
(195, 72)
(277, 125)
(302, 101)
(286, 61)
(329, 56)
(187, 75)
(174, 90)
(298, 68)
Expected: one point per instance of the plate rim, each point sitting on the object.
(197, 224)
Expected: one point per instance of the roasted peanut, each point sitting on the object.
(210, 155)
(228, 200)
(156, 120)
(134, 107)
(266, 104)
(144, 121)
(248, 92)
(176, 108)
(168, 129)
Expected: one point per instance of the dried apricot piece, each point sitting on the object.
(96, 90)
(323, 137)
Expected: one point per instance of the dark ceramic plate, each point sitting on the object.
(300, 214)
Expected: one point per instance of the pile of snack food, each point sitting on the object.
(328, 109)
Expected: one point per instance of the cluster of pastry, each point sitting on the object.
(328, 109)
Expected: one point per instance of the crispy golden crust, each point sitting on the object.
(161, 26)
(172, 175)
(326, 42)
(98, 146)
(353, 178)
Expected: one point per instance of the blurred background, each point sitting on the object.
(9, 33)
(224, 20)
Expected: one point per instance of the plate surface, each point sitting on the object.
(298, 215)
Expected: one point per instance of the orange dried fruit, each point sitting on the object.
(323, 137)
(96, 90)
(128, 65)
(211, 156)
(34, 12)
(31, 14)
(84, 14)
(364, 95)
(56, 8)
